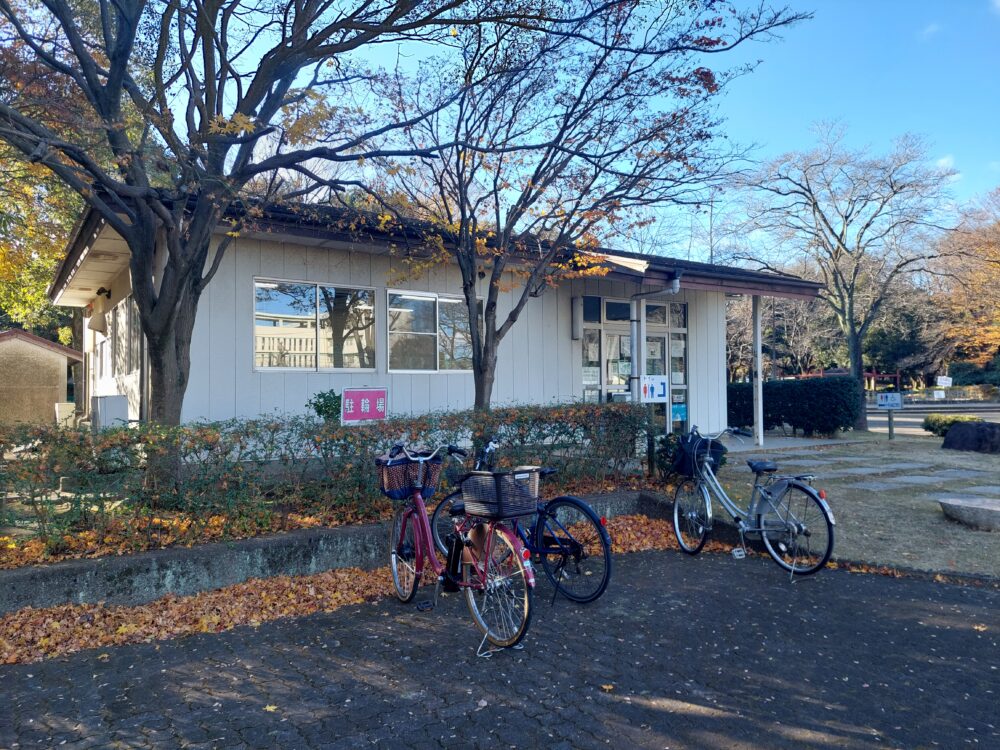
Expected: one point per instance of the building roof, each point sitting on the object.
(327, 226)
(30, 338)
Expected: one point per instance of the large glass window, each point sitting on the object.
(346, 327)
(311, 326)
(427, 332)
(616, 311)
(454, 336)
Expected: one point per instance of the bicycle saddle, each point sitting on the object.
(762, 467)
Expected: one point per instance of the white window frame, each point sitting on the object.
(253, 326)
(437, 333)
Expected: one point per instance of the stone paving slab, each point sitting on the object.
(986, 489)
(836, 660)
(855, 471)
(963, 474)
(873, 486)
(898, 466)
(908, 479)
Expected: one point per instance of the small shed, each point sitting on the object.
(33, 377)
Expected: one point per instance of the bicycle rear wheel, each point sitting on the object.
(575, 549)
(691, 515)
(501, 608)
(442, 522)
(403, 554)
(797, 531)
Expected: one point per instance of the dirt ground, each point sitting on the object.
(884, 495)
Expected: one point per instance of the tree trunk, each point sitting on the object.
(170, 365)
(485, 374)
(858, 373)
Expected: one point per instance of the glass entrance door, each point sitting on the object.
(617, 365)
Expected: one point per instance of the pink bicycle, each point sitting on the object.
(496, 575)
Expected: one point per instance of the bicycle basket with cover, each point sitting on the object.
(399, 477)
(691, 448)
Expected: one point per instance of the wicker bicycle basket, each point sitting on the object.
(501, 494)
(399, 477)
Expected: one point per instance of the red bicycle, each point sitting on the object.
(490, 564)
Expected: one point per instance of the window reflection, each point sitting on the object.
(285, 325)
(346, 328)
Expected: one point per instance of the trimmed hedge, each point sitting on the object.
(939, 424)
(813, 405)
(251, 469)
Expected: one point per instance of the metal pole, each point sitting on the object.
(892, 430)
(758, 387)
(633, 380)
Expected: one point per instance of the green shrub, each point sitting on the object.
(326, 404)
(249, 468)
(812, 405)
(939, 424)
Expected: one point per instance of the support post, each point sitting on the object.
(633, 379)
(757, 375)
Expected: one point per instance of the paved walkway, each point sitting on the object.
(681, 653)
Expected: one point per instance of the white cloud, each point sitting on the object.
(933, 28)
(947, 163)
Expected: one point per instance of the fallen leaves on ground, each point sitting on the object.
(30, 635)
(129, 535)
(123, 536)
(33, 634)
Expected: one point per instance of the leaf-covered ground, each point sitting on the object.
(128, 535)
(34, 634)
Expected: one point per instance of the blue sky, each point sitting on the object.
(882, 68)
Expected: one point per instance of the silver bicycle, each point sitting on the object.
(791, 517)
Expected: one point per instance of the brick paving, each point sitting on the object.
(704, 652)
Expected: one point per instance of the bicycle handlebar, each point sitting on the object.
(452, 450)
(735, 431)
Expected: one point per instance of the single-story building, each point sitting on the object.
(33, 377)
(305, 303)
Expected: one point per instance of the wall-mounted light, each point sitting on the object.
(104, 292)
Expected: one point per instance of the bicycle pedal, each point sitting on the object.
(739, 553)
(426, 606)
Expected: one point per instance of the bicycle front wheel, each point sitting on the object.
(403, 554)
(797, 531)
(691, 515)
(442, 522)
(500, 600)
(575, 549)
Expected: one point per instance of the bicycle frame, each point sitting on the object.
(761, 494)
(425, 545)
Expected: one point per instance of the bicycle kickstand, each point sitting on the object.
(429, 604)
(740, 552)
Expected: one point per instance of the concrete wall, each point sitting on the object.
(32, 380)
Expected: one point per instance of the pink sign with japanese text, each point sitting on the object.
(363, 404)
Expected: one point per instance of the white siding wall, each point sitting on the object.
(538, 360)
(128, 384)
(707, 363)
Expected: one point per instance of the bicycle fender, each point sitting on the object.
(519, 548)
(810, 490)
